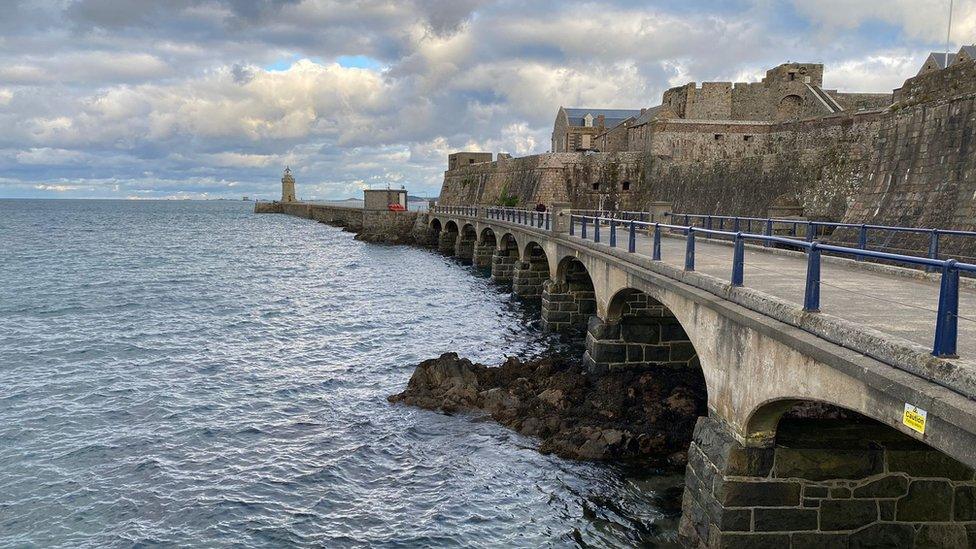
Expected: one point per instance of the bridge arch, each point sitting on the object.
(447, 239)
(569, 298)
(832, 470)
(487, 236)
(531, 272)
(504, 259)
(484, 248)
(464, 247)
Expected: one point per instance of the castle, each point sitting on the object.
(900, 158)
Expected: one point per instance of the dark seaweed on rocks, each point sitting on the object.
(619, 415)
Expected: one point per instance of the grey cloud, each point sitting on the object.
(97, 93)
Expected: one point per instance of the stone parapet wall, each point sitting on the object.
(825, 485)
(545, 178)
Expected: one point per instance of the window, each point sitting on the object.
(625, 186)
(747, 138)
(596, 186)
(718, 136)
(471, 161)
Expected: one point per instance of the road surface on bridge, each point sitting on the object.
(895, 305)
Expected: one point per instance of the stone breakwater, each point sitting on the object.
(619, 415)
(384, 227)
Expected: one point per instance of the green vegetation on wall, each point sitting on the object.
(505, 199)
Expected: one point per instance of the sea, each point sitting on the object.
(188, 373)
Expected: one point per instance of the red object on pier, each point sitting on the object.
(396, 207)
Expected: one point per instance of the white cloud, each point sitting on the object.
(173, 99)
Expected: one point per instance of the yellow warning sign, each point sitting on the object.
(914, 418)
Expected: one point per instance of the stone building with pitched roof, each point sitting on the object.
(576, 129)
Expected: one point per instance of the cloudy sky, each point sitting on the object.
(211, 98)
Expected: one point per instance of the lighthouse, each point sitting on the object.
(288, 186)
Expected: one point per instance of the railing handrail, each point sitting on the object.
(946, 328)
(946, 332)
(836, 224)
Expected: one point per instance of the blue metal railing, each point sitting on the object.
(624, 215)
(811, 230)
(946, 327)
(531, 218)
(471, 211)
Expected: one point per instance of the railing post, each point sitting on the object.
(632, 238)
(572, 225)
(708, 222)
(686, 221)
(862, 241)
(735, 225)
(933, 247)
(768, 231)
(656, 250)
(946, 324)
(596, 230)
(811, 299)
(613, 233)
(547, 221)
(583, 229)
(811, 228)
(690, 250)
(738, 258)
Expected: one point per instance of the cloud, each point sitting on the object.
(175, 99)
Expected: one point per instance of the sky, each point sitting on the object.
(144, 99)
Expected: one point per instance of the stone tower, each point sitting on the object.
(288, 186)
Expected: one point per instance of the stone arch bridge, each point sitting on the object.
(847, 471)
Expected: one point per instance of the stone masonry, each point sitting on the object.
(464, 248)
(503, 266)
(826, 483)
(902, 158)
(568, 305)
(446, 241)
(483, 252)
(531, 275)
(646, 335)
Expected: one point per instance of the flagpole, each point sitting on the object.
(949, 33)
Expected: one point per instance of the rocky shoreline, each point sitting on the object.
(619, 415)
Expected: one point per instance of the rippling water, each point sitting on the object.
(190, 373)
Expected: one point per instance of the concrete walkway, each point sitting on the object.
(895, 305)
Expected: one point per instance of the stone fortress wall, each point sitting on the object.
(904, 158)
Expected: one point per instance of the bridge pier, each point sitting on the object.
(566, 307)
(503, 266)
(531, 274)
(643, 334)
(483, 252)
(826, 483)
(464, 248)
(446, 241)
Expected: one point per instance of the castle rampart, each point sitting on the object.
(740, 148)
